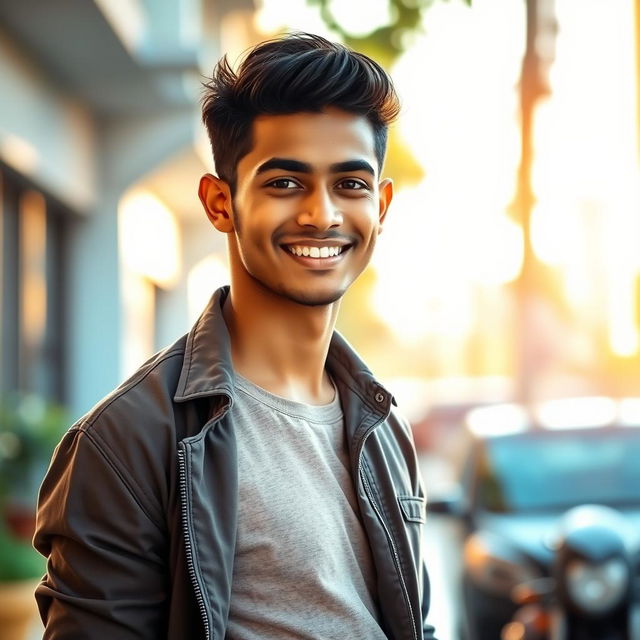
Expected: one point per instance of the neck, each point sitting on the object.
(278, 344)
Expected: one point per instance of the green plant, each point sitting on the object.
(387, 42)
(30, 428)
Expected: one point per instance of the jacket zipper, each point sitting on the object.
(188, 543)
(396, 557)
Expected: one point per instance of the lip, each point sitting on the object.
(316, 242)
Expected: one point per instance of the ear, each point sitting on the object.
(385, 195)
(215, 195)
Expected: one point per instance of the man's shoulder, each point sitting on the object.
(127, 440)
(143, 402)
(398, 428)
(395, 437)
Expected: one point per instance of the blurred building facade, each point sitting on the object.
(100, 132)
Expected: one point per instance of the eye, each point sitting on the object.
(283, 183)
(351, 184)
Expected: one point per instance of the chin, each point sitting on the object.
(313, 298)
(310, 296)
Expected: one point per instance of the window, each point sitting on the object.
(32, 242)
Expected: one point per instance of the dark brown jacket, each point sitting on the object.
(138, 511)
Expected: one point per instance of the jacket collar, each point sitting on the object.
(207, 369)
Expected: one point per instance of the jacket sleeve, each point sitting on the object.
(106, 577)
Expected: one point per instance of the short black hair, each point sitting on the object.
(291, 74)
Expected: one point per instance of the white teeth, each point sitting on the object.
(316, 252)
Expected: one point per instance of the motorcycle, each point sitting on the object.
(592, 593)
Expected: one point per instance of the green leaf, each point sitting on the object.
(18, 559)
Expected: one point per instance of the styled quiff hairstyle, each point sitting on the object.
(292, 74)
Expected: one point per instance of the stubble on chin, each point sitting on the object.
(317, 300)
(308, 298)
(305, 298)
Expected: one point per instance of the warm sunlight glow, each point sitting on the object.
(447, 266)
(497, 420)
(19, 154)
(444, 263)
(499, 251)
(33, 268)
(629, 412)
(361, 17)
(586, 172)
(273, 15)
(149, 238)
(422, 285)
(138, 322)
(206, 276)
(567, 413)
(623, 332)
(552, 228)
(451, 235)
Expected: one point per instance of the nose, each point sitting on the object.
(318, 210)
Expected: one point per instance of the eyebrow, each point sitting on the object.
(352, 165)
(295, 166)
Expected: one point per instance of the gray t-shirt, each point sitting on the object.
(303, 566)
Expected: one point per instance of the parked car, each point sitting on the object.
(523, 470)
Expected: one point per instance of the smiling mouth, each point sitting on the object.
(315, 252)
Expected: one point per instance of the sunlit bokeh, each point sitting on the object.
(274, 15)
(361, 17)
(586, 223)
(448, 265)
(566, 413)
(19, 154)
(449, 241)
(204, 278)
(137, 319)
(149, 238)
(629, 409)
(500, 419)
(33, 294)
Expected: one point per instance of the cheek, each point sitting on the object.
(266, 212)
(365, 218)
(373, 239)
(245, 222)
(256, 236)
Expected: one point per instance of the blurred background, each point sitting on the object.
(509, 269)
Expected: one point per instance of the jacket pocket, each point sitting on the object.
(413, 508)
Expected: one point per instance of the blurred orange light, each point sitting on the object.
(33, 242)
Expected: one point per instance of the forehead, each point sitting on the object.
(320, 139)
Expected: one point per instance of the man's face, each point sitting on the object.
(308, 207)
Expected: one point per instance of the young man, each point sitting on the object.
(252, 480)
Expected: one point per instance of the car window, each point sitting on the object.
(551, 470)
